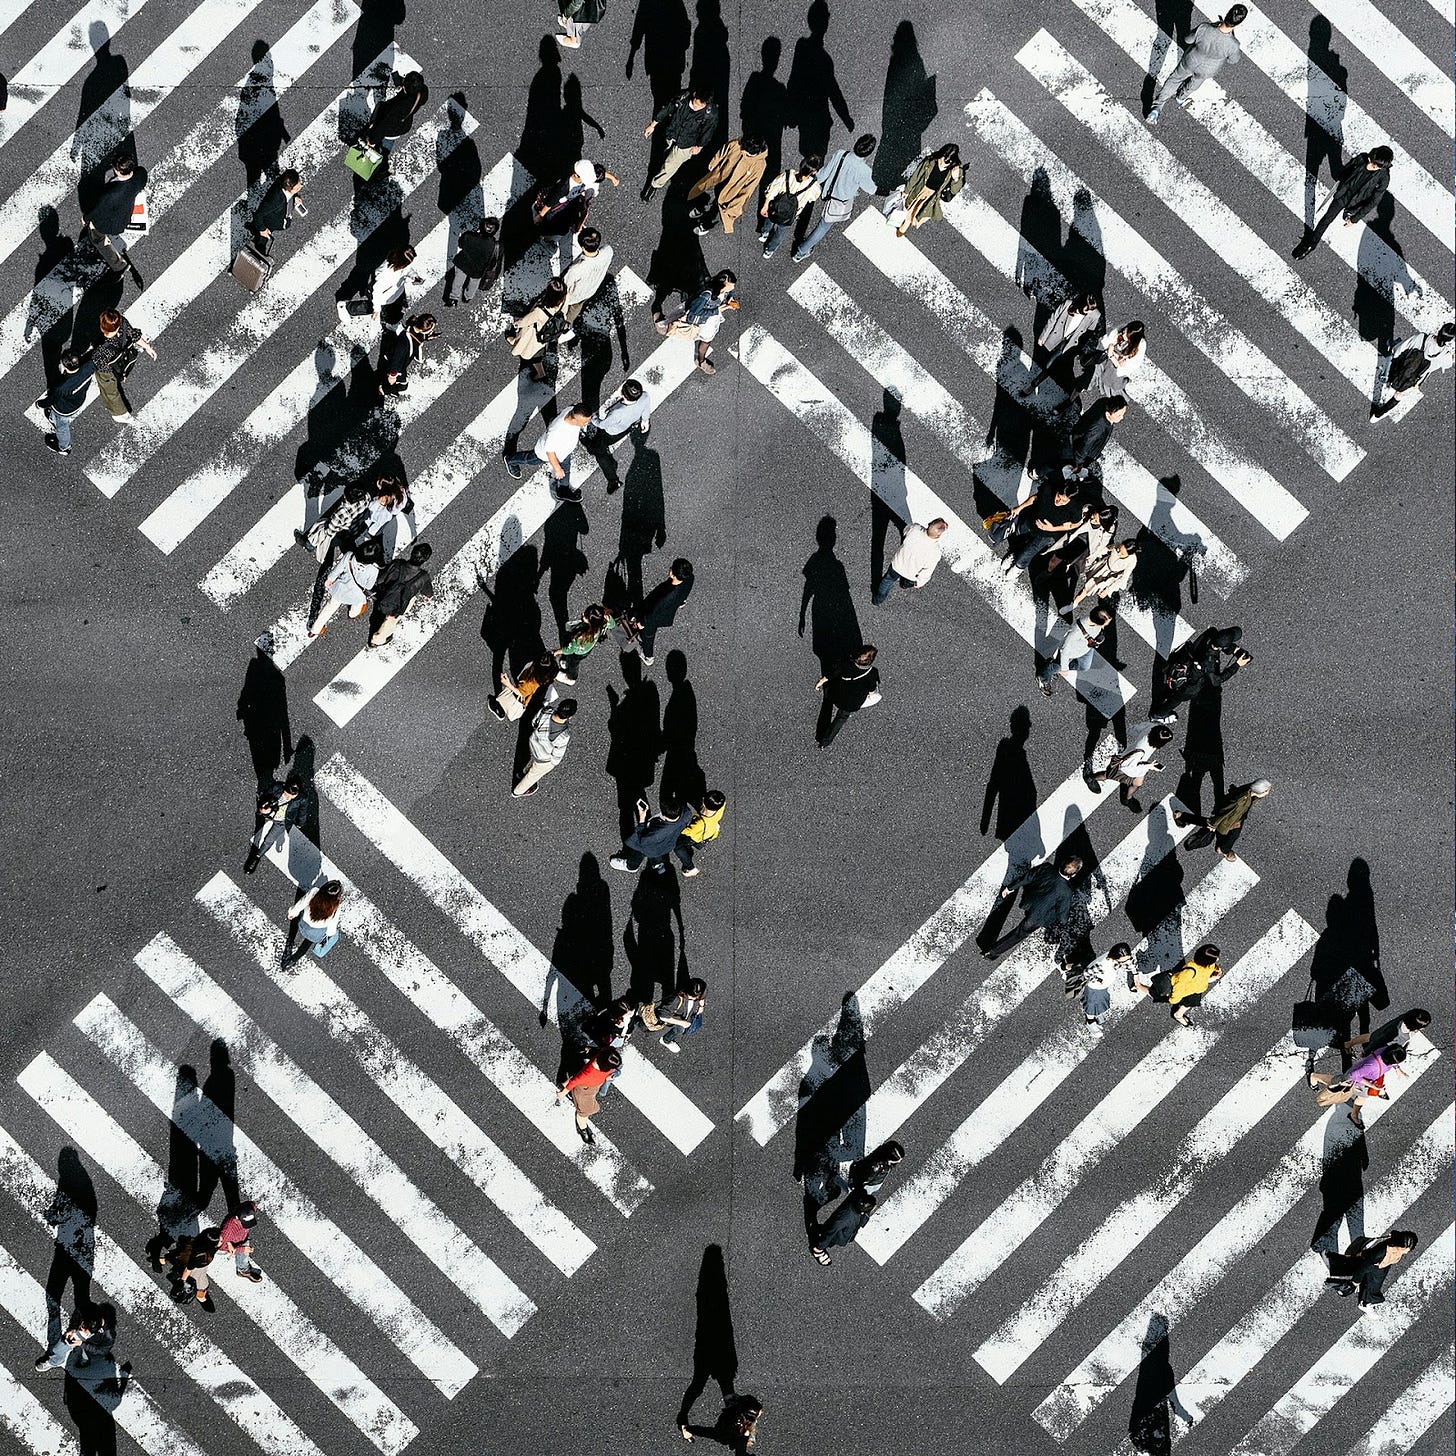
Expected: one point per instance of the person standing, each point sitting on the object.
(555, 448)
(235, 1237)
(582, 636)
(659, 609)
(653, 836)
(349, 584)
(1078, 648)
(1134, 763)
(1356, 196)
(1412, 361)
(1049, 898)
(841, 179)
(732, 178)
(1064, 338)
(1366, 1264)
(629, 409)
(1210, 48)
(1223, 827)
(1184, 988)
(111, 215)
(92, 1334)
(702, 317)
(914, 563)
(582, 1087)
(688, 122)
(113, 358)
(546, 747)
(680, 1016)
(560, 208)
(280, 205)
(402, 582)
(392, 119)
(849, 685)
(576, 18)
(317, 913)
(794, 189)
(843, 1225)
(478, 261)
(281, 809)
(586, 274)
(869, 1172)
(1089, 982)
(398, 352)
(707, 825)
(65, 398)
(190, 1257)
(539, 329)
(929, 184)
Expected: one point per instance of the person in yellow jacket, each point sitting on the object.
(733, 176)
(707, 825)
(1185, 987)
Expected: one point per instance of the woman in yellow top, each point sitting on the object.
(708, 825)
(1185, 987)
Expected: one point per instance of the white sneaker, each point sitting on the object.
(674, 1048)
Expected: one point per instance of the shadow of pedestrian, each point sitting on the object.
(1155, 1396)
(648, 939)
(907, 111)
(887, 480)
(813, 87)
(1010, 789)
(764, 110)
(715, 1352)
(830, 1125)
(712, 66)
(1343, 1161)
(682, 774)
(634, 735)
(1323, 145)
(1202, 748)
(259, 125)
(662, 31)
(107, 86)
(835, 633)
(52, 309)
(644, 517)
(511, 626)
(1175, 20)
(1380, 265)
(72, 1214)
(375, 31)
(1345, 968)
(218, 1164)
(92, 1392)
(563, 562)
(263, 711)
(582, 950)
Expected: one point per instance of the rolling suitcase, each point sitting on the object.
(251, 268)
(363, 162)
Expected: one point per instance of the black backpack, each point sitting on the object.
(784, 208)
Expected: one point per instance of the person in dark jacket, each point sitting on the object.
(398, 351)
(1223, 827)
(65, 398)
(1049, 898)
(281, 809)
(393, 118)
(659, 609)
(1092, 432)
(735, 1428)
(404, 579)
(869, 1172)
(478, 260)
(843, 1225)
(653, 836)
(113, 357)
(687, 122)
(848, 686)
(1207, 660)
(277, 210)
(108, 220)
(1366, 1264)
(1356, 196)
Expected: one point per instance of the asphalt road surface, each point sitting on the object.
(1092, 1231)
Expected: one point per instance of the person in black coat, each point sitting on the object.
(1049, 898)
(1092, 431)
(1356, 196)
(843, 1225)
(659, 609)
(398, 351)
(275, 213)
(848, 686)
(1366, 1265)
(65, 397)
(393, 118)
(399, 584)
(109, 218)
(1207, 660)
(478, 260)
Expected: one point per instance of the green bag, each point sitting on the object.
(364, 162)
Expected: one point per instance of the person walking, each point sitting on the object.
(402, 582)
(653, 836)
(1090, 435)
(688, 122)
(349, 584)
(1056, 512)
(784, 201)
(1064, 339)
(582, 1087)
(659, 609)
(392, 119)
(869, 1172)
(586, 274)
(399, 350)
(111, 214)
(1364, 1080)
(629, 409)
(841, 179)
(732, 178)
(843, 1225)
(576, 18)
(1393, 1033)
(1210, 48)
(92, 1335)
(339, 522)
(64, 400)
(679, 1016)
(1078, 649)
(1223, 827)
(387, 295)
(235, 1237)
(706, 826)
(1106, 578)
(478, 261)
(561, 207)
(1356, 196)
(190, 1257)
(1119, 355)
(317, 914)
(1412, 362)
(582, 636)
(517, 693)
(930, 182)
(546, 747)
(1089, 982)
(702, 317)
(1208, 660)
(1049, 899)
(281, 203)
(1186, 986)
(1365, 1266)
(281, 809)
(736, 1428)
(540, 328)
(849, 685)
(914, 563)
(113, 358)
(554, 448)
(1130, 767)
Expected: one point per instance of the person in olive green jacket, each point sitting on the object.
(733, 177)
(1226, 822)
(929, 185)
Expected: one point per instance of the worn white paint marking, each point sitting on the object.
(83, 1119)
(1270, 163)
(1288, 65)
(320, 1118)
(290, 1211)
(11, 11)
(238, 1396)
(1232, 352)
(34, 1428)
(817, 408)
(530, 972)
(291, 285)
(437, 1115)
(524, 513)
(1003, 247)
(1425, 1163)
(1418, 1407)
(948, 928)
(1226, 1243)
(210, 140)
(136, 1413)
(1014, 978)
(61, 58)
(529, 1090)
(1268, 273)
(1003, 1231)
(1356, 1353)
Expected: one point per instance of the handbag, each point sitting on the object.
(363, 162)
(1311, 1026)
(835, 209)
(1334, 1095)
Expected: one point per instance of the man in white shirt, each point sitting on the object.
(546, 747)
(558, 441)
(1134, 763)
(1078, 648)
(586, 274)
(915, 562)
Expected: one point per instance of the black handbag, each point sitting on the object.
(1311, 1026)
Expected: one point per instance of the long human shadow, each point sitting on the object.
(1155, 1395)
(711, 68)
(634, 733)
(887, 480)
(263, 711)
(259, 126)
(72, 1214)
(179, 1203)
(715, 1351)
(1011, 788)
(648, 938)
(682, 774)
(1157, 892)
(1175, 20)
(644, 521)
(563, 562)
(908, 109)
(1345, 969)
(460, 197)
(57, 251)
(1343, 1162)
(1378, 270)
(764, 109)
(511, 626)
(1322, 147)
(379, 20)
(218, 1163)
(830, 1126)
(91, 1394)
(581, 951)
(814, 94)
(108, 77)
(1202, 748)
(827, 601)
(662, 32)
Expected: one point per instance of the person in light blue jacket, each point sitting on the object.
(841, 179)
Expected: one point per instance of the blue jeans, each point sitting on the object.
(323, 941)
(887, 586)
(674, 1032)
(771, 234)
(820, 232)
(61, 424)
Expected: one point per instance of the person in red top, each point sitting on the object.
(235, 1238)
(582, 1088)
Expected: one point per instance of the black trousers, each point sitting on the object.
(1011, 939)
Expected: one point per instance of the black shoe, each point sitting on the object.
(302, 538)
(513, 469)
(53, 444)
(449, 302)
(251, 863)
(586, 1135)
(646, 191)
(1302, 249)
(569, 493)
(1090, 779)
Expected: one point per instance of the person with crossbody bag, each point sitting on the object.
(794, 189)
(841, 179)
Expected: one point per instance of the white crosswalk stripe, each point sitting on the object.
(320, 1117)
(279, 1320)
(1428, 1397)
(290, 1211)
(33, 1427)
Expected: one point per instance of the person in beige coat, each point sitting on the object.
(537, 329)
(733, 176)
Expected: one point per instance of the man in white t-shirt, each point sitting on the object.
(1134, 763)
(558, 441)
(915, 562)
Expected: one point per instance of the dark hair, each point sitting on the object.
(1393, 1054)
(699, 92)
(713, 799)
(1236, 15)
(293, 784)
(620, 1005)
(1121, 951)
(1072, 863)
(1402, 1238)
(1135, 330)
(755, 146)
(424, 323)
(632, 390)
(865, 655)
(1446, 332)
(1087, 303)
(414, 81)
(551, 295)
(291, 178)
(370, 550)
(609, 1057)
(325, 900)
(1113, 403)
(891, 1152)
(590, 239)
(566, 708)
(421, 553)
(70, 362)
(949, 153)
(811, 163)
(1208, 951)
(1101, 614)
(490, 226)
(748, 1414)
(697, 987)
(862, 1201)
(1382, 156)
(546, 666)
(401, 257)
(1417, 1019)
(668, 806)
(865, 145)
(715, 284)
(356, 491)
(123, 164)
(1227, 637)
(1162, 733)
(594, 616)
(682, 568)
